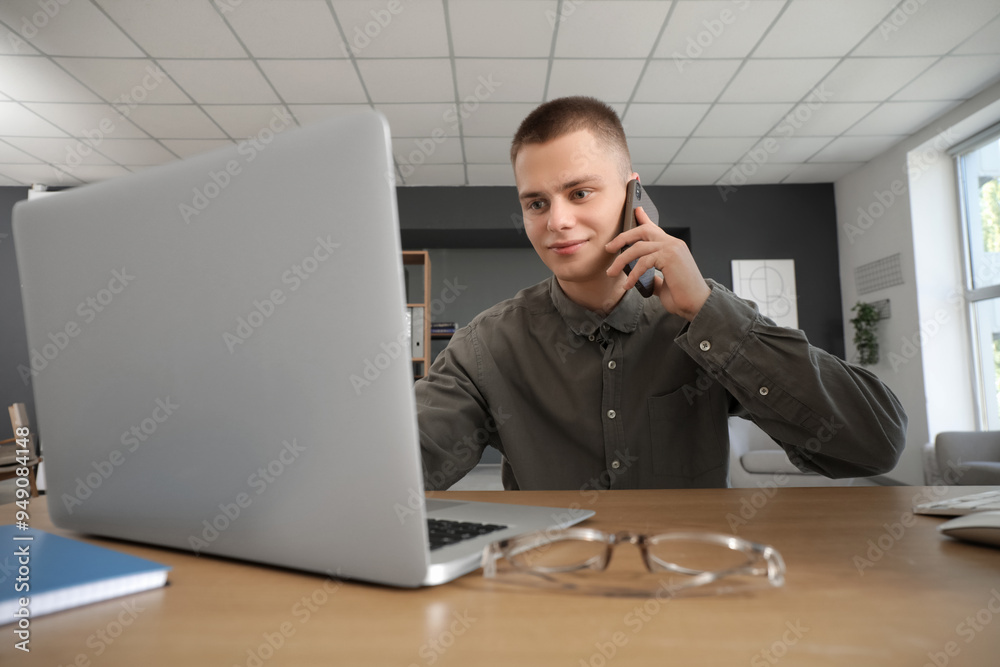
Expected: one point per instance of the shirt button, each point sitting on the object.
(590, 337)
(612, 364)
(616, 464)
(611, 414)
(763, 391)
(705, 346)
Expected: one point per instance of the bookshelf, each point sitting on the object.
(417, 262)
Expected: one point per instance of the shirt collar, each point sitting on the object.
(583, 322)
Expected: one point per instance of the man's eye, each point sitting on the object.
(580, 194)
(536, 205)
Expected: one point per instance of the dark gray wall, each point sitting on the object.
(754, 222)
(479, 250)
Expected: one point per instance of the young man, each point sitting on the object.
(580, 382)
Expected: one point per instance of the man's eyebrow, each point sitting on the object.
(568, 185)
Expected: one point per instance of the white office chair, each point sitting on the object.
(755, 460)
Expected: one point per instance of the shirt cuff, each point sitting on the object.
(719, 328)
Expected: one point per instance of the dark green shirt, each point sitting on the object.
(641, 399)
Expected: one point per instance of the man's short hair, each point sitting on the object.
(569, 114)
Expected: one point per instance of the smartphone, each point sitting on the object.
(635, 197)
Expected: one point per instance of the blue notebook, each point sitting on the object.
(56, 573)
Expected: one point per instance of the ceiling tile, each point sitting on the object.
(37, 79)
(420, 151)
(692, 174)
(826, 120)
(821, 173)
(67, 152)
(856, 149)
(696, 81)
(491, 174)
(653, 150)
(607, 80)
(87, 120)
(984, 42)
(741, 120)
(713, 151)
(496, 80)
(95, 173)
(777, 80)
(527, 23)
(436, 174)
(663, 120)
(596, 29)
(786, 149)
(416, 30)
(38, 173)
(315, 81)
(307, 114)
(16, 120)
(416, 80)
(172, 121)
(494, 120)
(243, 121)
(169, 29)
(18, 41)
(67, 28)
(186, 148)
(9, 182)
(488, 150)
(756, 174)
(287, 29)
(822, 29)
(953, 78)
(220, 81)
(872, 79)
(927, 28)
(125, 82)
(12, 155)
(137, 152)
(900, 117)
(421, 120)
(648, 173)
(716, 28)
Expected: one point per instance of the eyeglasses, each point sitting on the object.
(565, 559)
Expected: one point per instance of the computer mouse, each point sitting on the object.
(981, 527)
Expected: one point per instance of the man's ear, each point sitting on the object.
(635, 176)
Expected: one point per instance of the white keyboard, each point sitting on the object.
(976, 502)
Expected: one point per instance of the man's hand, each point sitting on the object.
(682, 290)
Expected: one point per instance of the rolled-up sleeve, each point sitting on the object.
(829, 416)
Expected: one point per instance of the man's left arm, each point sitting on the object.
(830, 417)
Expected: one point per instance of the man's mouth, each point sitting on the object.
(566, 247)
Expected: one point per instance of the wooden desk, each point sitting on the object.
(921, 596)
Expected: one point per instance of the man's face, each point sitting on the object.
(572, 194)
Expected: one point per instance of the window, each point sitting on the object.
(979, 187)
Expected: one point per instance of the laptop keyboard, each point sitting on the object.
(443, 532)
(976, 502)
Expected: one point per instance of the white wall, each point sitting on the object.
(905, 201)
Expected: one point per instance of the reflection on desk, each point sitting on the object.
(868, 583)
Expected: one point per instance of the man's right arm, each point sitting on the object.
(452, 414)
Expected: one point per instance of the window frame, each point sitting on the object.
(975, 295)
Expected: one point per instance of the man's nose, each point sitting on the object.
(561, 215)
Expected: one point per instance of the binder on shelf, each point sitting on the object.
(417, 331)
(64, 573)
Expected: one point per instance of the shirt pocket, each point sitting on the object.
(689, 434)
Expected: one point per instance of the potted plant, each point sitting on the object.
(865, 324)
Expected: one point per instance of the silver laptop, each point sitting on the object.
(202, 337)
